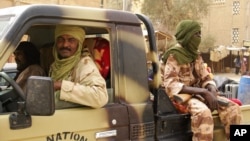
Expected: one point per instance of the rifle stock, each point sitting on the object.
(182, 98)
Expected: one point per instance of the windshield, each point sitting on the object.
(5, 21)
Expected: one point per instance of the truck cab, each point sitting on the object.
(128, 115)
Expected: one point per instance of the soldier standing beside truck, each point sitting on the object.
(76, 77)
(185, 73)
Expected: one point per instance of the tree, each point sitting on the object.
(119, 4)
(207, 44)
(165, 14)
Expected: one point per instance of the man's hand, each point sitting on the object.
(57, 85)
(212, 89)
(209, 94)
(215, 92)
(211, 99)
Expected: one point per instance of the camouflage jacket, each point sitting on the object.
(195, 74)
(84, 86)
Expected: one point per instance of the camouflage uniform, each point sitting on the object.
(83, 86)
(196, 74)
(81, 81)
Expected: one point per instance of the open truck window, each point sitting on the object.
(97, 42)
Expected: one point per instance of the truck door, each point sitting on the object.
(78, 123)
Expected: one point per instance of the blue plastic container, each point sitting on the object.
(244, 90)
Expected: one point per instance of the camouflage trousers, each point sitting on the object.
(202, 123)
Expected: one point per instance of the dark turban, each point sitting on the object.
(186, 50)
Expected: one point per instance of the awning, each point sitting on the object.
(161, 35)
(236, 48)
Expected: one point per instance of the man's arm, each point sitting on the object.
(174, 87)
(170, 77)
(209, 97)
(88, 86)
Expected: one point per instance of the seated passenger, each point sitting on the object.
(27, 58)
(102, 56)
(99, 49)
(77, 80)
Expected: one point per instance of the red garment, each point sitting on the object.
(237, 101)
(102, 56)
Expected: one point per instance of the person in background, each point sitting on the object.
(243, 65)
(27, 58)
(237, 64)
(100, 50)
(77, 80)
(186, 73)
(101, 55)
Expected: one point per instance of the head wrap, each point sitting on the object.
(186, 50)
(76, 32)
(30, 51)
(61, 68)
(31, 54)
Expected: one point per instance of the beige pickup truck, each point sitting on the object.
(129, 115)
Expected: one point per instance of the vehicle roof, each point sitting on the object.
(18, 16)
(75, 12)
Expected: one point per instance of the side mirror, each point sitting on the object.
(40, 96)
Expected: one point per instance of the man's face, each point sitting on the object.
(20, 60)
(198, 34)
(66, 46)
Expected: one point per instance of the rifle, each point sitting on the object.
(182, 98)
